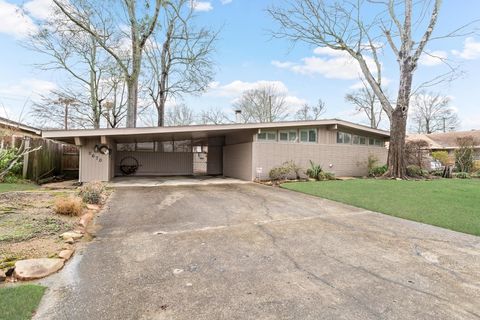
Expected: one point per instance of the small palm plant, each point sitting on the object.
(314, 171)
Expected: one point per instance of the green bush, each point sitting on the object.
(92, 192)
(322, 176)
(462, 175)
(378, 171)
(6, 156)
(314, 171)
(414, 171)
(464, 155)
(476, 174)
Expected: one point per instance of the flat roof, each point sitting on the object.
(200, 130)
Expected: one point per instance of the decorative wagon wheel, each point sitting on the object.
(129, 165)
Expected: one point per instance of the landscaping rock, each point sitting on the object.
(3, 276)
(71, 235)
(65, 254)
(86, 218)
(69, 241)
(36, 268)
(67, 246)
(95, 207)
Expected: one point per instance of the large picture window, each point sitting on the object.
(308, 135)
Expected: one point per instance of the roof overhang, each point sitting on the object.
(195, 131)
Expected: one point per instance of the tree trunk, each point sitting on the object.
(132, 87)
(396, 150)
(161, 109)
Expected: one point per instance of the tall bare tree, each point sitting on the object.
(309, 112)
(104, 24)
(179, 115)
(77, 54)
(179, 56)
(264, 104)
(366, 102)
(58, 110)
(432, 113)
(341, 25)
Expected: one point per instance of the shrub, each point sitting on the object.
(378, 171)
(324, 175)
(414, 171)
(372, 162)
(462, 175)
(71, 206)
(464, 154)
(416, 152)
(441, 156)
(6, 157)
(476, 174)
(92, 192)
(288, 169)
(314, 171)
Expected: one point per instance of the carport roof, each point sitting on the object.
(198, 131)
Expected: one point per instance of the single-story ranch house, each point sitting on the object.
(243, 151)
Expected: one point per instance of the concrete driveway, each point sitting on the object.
(252, 252)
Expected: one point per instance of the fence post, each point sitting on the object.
(25, 158)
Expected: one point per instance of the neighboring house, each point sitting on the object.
(447, 141)
(12, 133)
(244, 151)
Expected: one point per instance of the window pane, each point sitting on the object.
(371, 141)
(166, 146)
(125, 146)
(378, 142)
(363, 140)
(262, 136)
(304, 136)
(356, 139)
(271, 136)
(312, 135)
(339, 137)
(347, 138)
(182, 146)
(284, 136)
(145, 146)
(292, 135)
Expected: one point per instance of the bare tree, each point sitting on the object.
(214, 116)
(264, 104)
(179, 56)
(308, 112)
(432, 113)
(58, 110)
(76, 53)
(342, 26)
(179, 115)
(97, 18)
(365, 101)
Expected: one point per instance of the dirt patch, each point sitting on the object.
(28, 226)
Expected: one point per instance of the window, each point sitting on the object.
(345, 138)
(182, 146)
(379, 143)
(269, 135)
(145, 146)
(359, 139)
(308, 135)
(125, 146)
(288, 136)
(165, 146)
(371, 141)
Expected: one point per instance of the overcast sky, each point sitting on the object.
(247, 57)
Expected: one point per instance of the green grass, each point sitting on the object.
(448, 203)
(7, 187)
(19, 302)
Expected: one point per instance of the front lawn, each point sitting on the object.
(448, 203)
(7, 187)
(20, 302)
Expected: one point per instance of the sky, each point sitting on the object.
(247, 57)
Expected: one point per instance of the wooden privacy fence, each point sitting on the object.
(53, 159)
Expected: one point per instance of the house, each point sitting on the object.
(447, 141)
(243, 151)
(12, 133)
